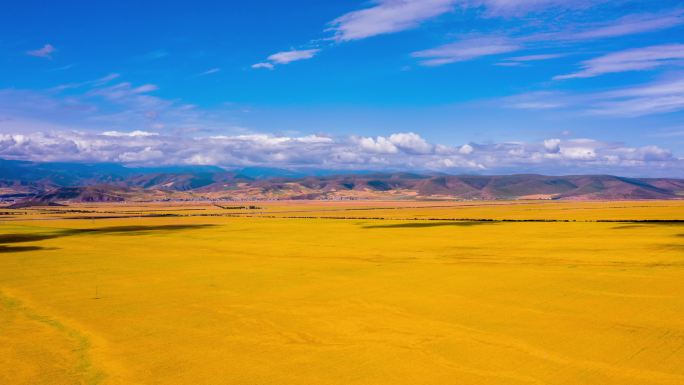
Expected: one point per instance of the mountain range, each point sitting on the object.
(32, 183)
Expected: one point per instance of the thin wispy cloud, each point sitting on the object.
(45, 51)
(630, 25)
(658, 97)
(293, 55)
(124, 90)
(105, 105)
(62, 68)
(513, 8)
(466, 49)
(655, 98)
(391, 16)
(263, 65)
(88, 83)
(522, 60)
(636, 59)
(210, 72)
(538, 57)
(387, 16)
(286, 57)
(152, 55)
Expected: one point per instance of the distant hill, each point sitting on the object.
(29, 184)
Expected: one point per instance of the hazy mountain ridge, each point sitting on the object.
(41, 183)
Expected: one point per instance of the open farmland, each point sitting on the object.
(520, 292)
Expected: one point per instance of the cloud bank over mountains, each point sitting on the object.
(399, 151)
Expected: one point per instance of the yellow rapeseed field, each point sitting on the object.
(343, 293)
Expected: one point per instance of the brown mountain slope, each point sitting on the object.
(228, 186)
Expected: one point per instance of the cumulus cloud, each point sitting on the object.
(379, 145)
(637, 59)
(411, 142)
(45, 51)
(552, 145)
(466, 149)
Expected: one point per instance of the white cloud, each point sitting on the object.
(536, 105)
(473, 47)
(387, 16)
(662, 96)
(632, 24)
(390, 16)
(210, 71)
(124, 90)
(293, 55)
(576, 151)
(552, 145)
(466, 49)
(286, 57)
(654, 98)
(263, 65)
(538, 57)
(146, 155)
(132, 134)
(45, 51)
(521, 60)
(380, 145)
(96, 105)
(88, 83)
(511, 8)
(466, 149)
(635, 59)
(410, 142)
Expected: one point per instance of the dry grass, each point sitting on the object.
(205, 299)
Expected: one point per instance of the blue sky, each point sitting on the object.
(460, 86)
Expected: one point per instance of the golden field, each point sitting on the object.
(343, 293)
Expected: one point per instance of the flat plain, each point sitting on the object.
(523, 292)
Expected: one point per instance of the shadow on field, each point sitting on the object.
(636, 224)
(118, 230)
(127, 230)
(18, 249)
(20, 238)
(430, 224)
